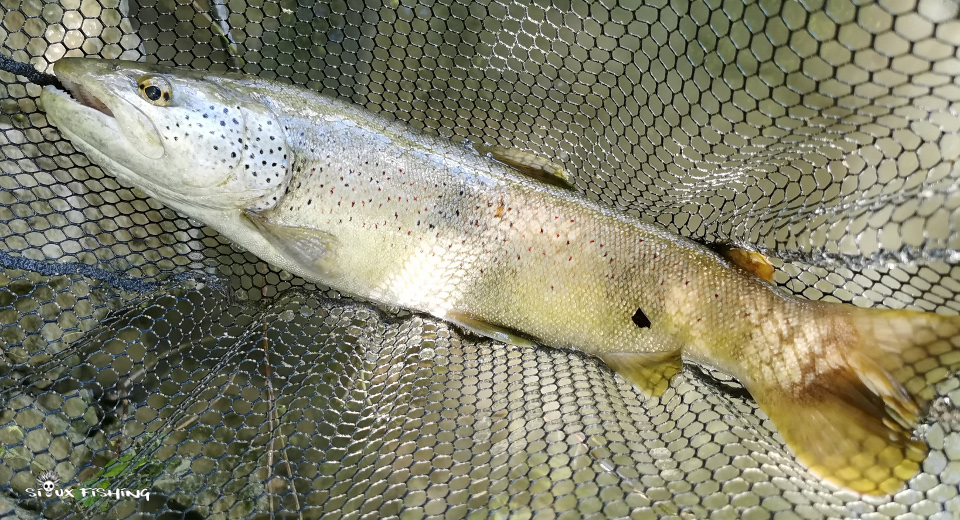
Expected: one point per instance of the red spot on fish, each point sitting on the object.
(716, 295)
(686, 282)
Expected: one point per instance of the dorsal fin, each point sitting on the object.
(529, 164)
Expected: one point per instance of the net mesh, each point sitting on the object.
(143, 351)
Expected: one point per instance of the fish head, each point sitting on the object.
(185, 137)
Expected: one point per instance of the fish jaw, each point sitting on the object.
(95, 116)
(194, 150)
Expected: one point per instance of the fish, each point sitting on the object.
(500, 242)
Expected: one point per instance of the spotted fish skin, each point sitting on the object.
(428, 225)
(370, 207)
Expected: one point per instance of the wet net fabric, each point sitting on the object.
(143, 351)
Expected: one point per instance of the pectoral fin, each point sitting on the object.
(531, 165)
(650, 372)
(482, 328)
(315, 251)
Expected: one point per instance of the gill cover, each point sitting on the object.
(180, 135)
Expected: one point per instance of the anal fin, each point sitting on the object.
(529, 164)
(650, 372)
(481, 328)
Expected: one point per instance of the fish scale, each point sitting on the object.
(413, 224)
(370, 207)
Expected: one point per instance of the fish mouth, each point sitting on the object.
(77, 100)
(93, 107)
(84, 97)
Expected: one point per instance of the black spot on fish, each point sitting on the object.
(641, 319)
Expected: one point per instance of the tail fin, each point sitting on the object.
(863, 391)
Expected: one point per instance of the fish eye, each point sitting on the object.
(155, 89)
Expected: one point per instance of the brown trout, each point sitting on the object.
(370, 207)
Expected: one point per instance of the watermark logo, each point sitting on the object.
(47, 483)
(47, 487)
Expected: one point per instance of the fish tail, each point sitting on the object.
(864, 379)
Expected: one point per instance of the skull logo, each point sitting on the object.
(47, 481)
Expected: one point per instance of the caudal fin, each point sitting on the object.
(852, 417)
